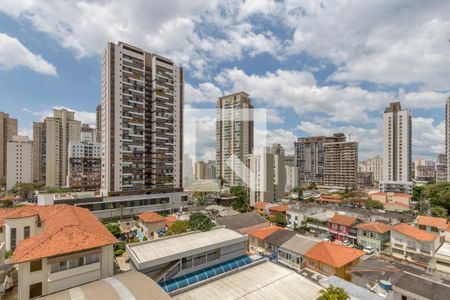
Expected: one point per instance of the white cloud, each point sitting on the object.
(14, 54)
(428, 138)
(205, 92)
(86, 117)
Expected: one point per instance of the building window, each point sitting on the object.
(35, 290)
(26, 232)
(35, 265)
(13, 238)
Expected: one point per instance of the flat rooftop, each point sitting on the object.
(125, 286)
(168, 248)
(444, 250)
(261, 281)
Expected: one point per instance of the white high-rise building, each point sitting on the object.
(267, 175)
(397, 152)
(234, 136)
(142, 121)
(19, 167)
(291, 173)
(376, 167)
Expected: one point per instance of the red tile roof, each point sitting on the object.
(260, 204)
(375, 227)
(414, 232)
(342, 220)
(402, 195)
(170, 220)
(333, 254)
(67, 229)
(397, 204)
(262, 233)
(279, 208)
(379, 194)
(440, 223)
(151, 217)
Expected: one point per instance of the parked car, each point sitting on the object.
(329, 239)
(360, 247)
(346, 243)
(369, 250)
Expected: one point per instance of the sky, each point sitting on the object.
(318, 67)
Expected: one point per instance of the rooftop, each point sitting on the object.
(440, 223)
(262, 233)
(168, 248)
(241, 220)
(333, 254)
(353, 290)
(282, 208)
(444, 250)
(151, 217)
(299, 244)
(342, 220)
(268, 281)
(414, 232)
(423, 287)
(279, 237)
(375, 227)
(125, 286)
(67, 229)
(260, 204)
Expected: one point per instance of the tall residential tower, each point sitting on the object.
(397, 154)
(8, 128)
(142, 121)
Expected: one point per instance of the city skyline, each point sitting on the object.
(322, 91)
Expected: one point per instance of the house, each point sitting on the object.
(332, 259)
(276, 239)
(391, 198)
(56, 247)
(151, 222)
(373, 234)
(292, 252)
(256, 237)
(260, 207)
(294, 217)
(411, 286)
(341, 227)
(278, 209)
(396, 207)
(408, 241)
(243, 222)
(442, 258)
(433, 225)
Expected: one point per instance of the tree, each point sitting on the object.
(178, 227)
(417, 192)
(200, 221)
(374, 204)
(298, 191)
(439, 211)
(312, 186)
(280, 219)
(240, 200)
(114, 228)
(333, 293)
(199, 198)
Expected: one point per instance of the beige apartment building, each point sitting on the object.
(20, 161)
(205, 169)
(8, 128)
(56, 247)
(341, 164)
(98, 123)
(234, 136)
(39, 149)
(60, 129)
(142, 121)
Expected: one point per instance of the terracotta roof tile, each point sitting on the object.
(260, 204)
(342, 220)
(375, 227)
(440, 223)
(67, 229)
(262, 233)
(151, 217)
(415, 233)
(170, 219)
(279, 208)
(401, 195)
(333, 254)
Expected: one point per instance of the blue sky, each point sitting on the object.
(318, 67)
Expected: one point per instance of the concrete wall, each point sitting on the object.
(19, 224)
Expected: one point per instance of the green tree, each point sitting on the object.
(240, 200)
(200, 221)
(312, 186)
(178, 227)
(374, 204)
(298, 191)
(439, 211)
(333, 293)
(114, 228)
(199, 198)
(280, 219)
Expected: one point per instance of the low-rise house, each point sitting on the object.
(332, 259)
(56, 247)
(260, 207)
(276, 239)
(151, 222)
(396, 207)
(373, 234)
(413, 243)
(278, 209)
(243, 222)
(433, 225)
(411, 286)
(256, 237)
(442, 258)
(391, 197)
(342, 228)
(294, 217)
(292, 252)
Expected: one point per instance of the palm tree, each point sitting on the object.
(333, 293)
